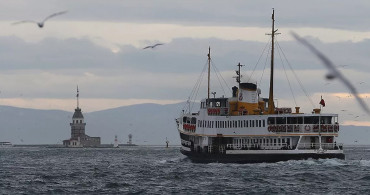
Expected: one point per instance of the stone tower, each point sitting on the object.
(78, 135)
(78, 124)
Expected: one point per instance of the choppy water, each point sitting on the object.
(157, 170)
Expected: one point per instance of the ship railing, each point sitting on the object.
(260, 146)
(303, 128)
(325, 146)
(217, 149)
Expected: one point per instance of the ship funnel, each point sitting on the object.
(297, 110)
(248, 98)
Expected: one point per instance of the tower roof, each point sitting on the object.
(78, 113)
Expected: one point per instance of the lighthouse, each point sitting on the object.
(115, 142)
(78, 135)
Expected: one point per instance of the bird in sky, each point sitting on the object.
(153, 46)
(40, 24)
(333, 72)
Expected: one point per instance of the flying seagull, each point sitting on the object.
(40, 24)
(334, 73)
(153, 46)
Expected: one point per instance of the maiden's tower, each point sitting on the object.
(78, 136)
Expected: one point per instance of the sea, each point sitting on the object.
(160, 170)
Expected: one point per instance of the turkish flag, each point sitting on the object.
(322, 102)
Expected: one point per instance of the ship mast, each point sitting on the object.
(238, 77)
(271, 106)
(209, 71)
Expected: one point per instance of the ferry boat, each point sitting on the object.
(247, 128)
(6, 144)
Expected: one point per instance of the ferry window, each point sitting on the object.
(228, 124)
(271, 121)
(259, 123)
(239, 123)
(193, 120)
(292, 120)
(279, 141)
(212, 123)
(280, 120)
(263, 121)
(252, 123)
(326, 120)
(247, 123)
(235, 124)
(311, 120)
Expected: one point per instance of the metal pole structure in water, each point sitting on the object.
(320, 127)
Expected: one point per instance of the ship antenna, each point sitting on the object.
(77, 97)
(209, 71)
(271, 106)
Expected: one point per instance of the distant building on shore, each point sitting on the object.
(78, 136)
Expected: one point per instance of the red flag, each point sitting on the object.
(322, 102)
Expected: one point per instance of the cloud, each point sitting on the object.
(329, 14)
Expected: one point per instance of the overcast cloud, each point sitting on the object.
(98, 46)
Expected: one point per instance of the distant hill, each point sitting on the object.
(148, 123)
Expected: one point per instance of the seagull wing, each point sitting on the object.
(333, 70)
(24, 21)
(157, 44)
(147, 47)
(53, 15)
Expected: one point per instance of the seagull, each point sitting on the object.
(334, 73)
(40, 24)
(153, 46)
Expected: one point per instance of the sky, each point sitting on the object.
(97, 45)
